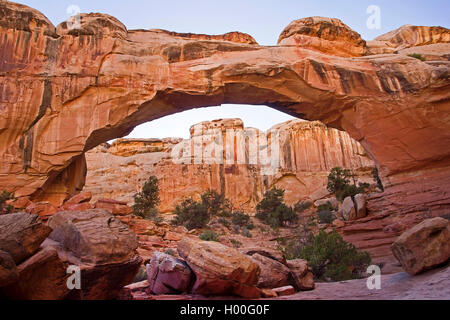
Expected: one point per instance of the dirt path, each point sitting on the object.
(434, 284)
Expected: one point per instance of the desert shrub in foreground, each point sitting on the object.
(5, 196)
(209, 235)
(146, 201)
(272, 211)
(332, 258)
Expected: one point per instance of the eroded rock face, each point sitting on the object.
(394, 105)
(219, 270)
(8, 270)
(81, 234)
(410, 36)
(307, 151)
(330, 36)
(21, 234)
(424, 246)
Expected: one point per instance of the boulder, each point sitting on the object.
(21, 234)
(273, 273)
(118, 208)
(273, 254)
(220, 270)
(82, 197)
(348, 209)
(284, 291)
(94, 236)
(8, 270)
(332, 200)
(43, 209)
(101, 245)
(327, 35)
(424, 246)
(301, 273)
(168, 275)
(360, 206)
(20, 203)
(41, 277)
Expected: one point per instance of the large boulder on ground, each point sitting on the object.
(93, 236)
(101, 245)
(273, 273)
(41, 277)
(301, 275)
(168, 275)
(348, 209)
(21, 234)
(424, 246)
(326, 35)
(8, 270)
(360, 206)
(220, 270)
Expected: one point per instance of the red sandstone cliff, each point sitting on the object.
(306, 153)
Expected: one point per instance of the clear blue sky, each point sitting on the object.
(263, 19)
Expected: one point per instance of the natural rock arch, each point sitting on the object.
(65, 91)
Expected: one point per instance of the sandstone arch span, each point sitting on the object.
(64, 91)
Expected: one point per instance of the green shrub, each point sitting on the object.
(5, 196)
(239, 218)
(325, 216)
(191, 214)
(338, 181)
(209, 235)
(417, 56)
(216, 204)
(330, 257)
(272, 211)
(339, 184)
(250, 226)
(377, 179)
(301, 206)
(326, 206)
(146, 201)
